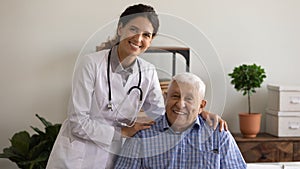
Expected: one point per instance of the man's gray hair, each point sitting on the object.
(192, 79)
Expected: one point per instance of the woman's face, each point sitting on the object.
(135, 36)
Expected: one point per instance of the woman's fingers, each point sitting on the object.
(130, 131)
(214, 120)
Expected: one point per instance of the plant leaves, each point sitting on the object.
(52, 131)
(45, 122)
(38, 149)
(9, 153)
(37, 130)
(20, 142)
(39, 161)
(32, 152)
(246, 78)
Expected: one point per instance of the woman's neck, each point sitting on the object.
(125, 59)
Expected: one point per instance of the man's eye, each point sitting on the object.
(189, 98)
(175, 96)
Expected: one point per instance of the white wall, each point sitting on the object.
(40, 41)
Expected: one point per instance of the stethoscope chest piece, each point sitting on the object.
(110, 105)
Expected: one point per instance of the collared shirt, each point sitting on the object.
(116, 66)
(198, 147)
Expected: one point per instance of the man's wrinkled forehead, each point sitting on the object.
(182, 87)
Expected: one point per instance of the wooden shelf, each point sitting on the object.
(185, 52)
(268, 148)
(264, 137)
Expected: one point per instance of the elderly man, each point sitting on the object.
(181, 138)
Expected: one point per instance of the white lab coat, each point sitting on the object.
(88, 135)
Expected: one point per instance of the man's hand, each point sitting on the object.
(214, 120)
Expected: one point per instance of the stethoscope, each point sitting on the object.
(109, 106)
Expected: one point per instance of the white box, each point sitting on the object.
(283, 98)
(283, 124)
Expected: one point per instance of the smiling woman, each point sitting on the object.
(105, 95)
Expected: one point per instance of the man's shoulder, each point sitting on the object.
(155, 129)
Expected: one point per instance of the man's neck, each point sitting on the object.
(179, 129)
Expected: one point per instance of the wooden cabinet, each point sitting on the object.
(296, 151)
(267, 148)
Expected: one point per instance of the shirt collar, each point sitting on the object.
(116, 66)
(196, 124)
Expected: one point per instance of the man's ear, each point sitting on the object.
(202, 104)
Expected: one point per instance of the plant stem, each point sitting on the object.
(249, 105)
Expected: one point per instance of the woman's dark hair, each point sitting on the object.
(140, 10)
(130, 13)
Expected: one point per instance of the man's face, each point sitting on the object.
(183, 104)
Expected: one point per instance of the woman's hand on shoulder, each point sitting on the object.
(214, 120)
(141, 124)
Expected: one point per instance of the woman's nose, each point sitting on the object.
(139, 37)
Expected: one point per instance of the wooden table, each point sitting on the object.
(268, 148)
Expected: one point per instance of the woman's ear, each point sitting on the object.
(120, 26)
(165, 97)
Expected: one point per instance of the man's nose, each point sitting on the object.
(180, 103)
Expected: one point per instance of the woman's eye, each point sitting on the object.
(148, 35)
(132, 29)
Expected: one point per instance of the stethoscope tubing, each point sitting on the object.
(133, 87)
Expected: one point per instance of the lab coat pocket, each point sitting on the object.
(69, 154)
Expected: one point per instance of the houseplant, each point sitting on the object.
(246, 78)
(32, 152)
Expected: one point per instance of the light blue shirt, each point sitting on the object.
(116, 66)
(198, 147)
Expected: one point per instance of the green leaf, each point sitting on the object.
(20, 142)
(39, 161)
(12, 155)
(9, 153)
(38, 149)
(34, 140)
(45, 122)
(4, 155)
(52, 131)
(37, 130)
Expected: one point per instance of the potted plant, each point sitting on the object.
(32, 152)
(246, 78)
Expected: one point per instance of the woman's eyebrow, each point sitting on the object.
(136, 27)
